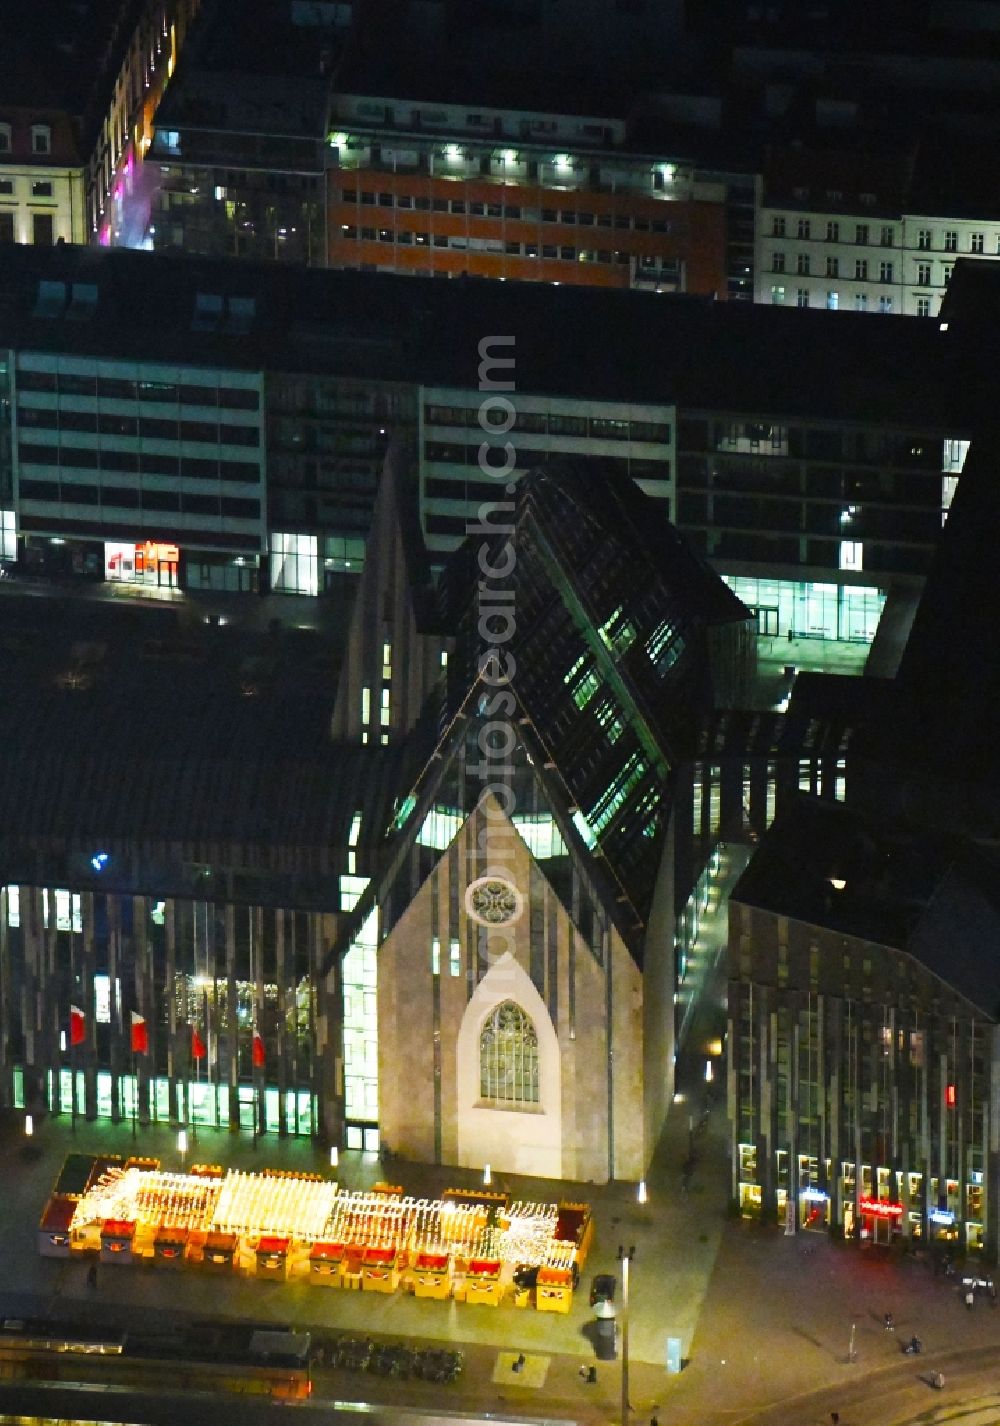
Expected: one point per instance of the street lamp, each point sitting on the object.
(625, 1256)
(182, 1144)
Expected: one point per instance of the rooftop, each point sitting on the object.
(182, 733)
(611, 656)
(295, 105)
(455, 80)
(932, 896)
(826, 178)
(569, 341)
(58, 54)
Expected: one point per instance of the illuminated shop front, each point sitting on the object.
(147, 562)
(889, 1208)
(814, 1208)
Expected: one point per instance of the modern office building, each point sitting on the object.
(118, 460)
(426, 187)
(178, 863)
(811, 459)
(124, 428)
(635, 439)
(238, 166)
(288, 147)
(817, 487)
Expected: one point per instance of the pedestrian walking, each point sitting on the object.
(92, 1275)
(890, 1325)
(834, 1418)
(970, 1299)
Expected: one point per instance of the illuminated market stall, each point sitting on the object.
(466, 1244)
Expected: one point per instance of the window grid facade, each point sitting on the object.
(878, 285)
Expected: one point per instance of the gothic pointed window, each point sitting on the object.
(508, 1058)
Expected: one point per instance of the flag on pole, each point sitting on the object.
(140, 1034)
(257, 1051)
(77, 1025)
(198, 1047)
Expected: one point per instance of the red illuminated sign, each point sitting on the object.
(880, 1208)
(155, 554)
(949, 1096)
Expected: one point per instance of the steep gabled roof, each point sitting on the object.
(581, 619)
(452, 779)
(603, 619)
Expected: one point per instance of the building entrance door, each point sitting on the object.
(767, 622)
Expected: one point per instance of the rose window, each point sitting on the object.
(493, 901)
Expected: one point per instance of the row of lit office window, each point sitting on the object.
(562, 252)
(567, 216)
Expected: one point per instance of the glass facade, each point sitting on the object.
(295, 564)
(822, 1064)
(231, 973)
(810, 610)
(440, 827)
(8, 535)
(540, 834)
(207, 1106)
(361, 1025)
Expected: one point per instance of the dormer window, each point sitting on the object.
(51, 301)
(83, 301)
(240, 313)
(207, 311)
(41, 139)
(215, 313)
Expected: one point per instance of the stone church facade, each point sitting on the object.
(558, 1097)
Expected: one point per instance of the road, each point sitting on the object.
(900, 1394)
